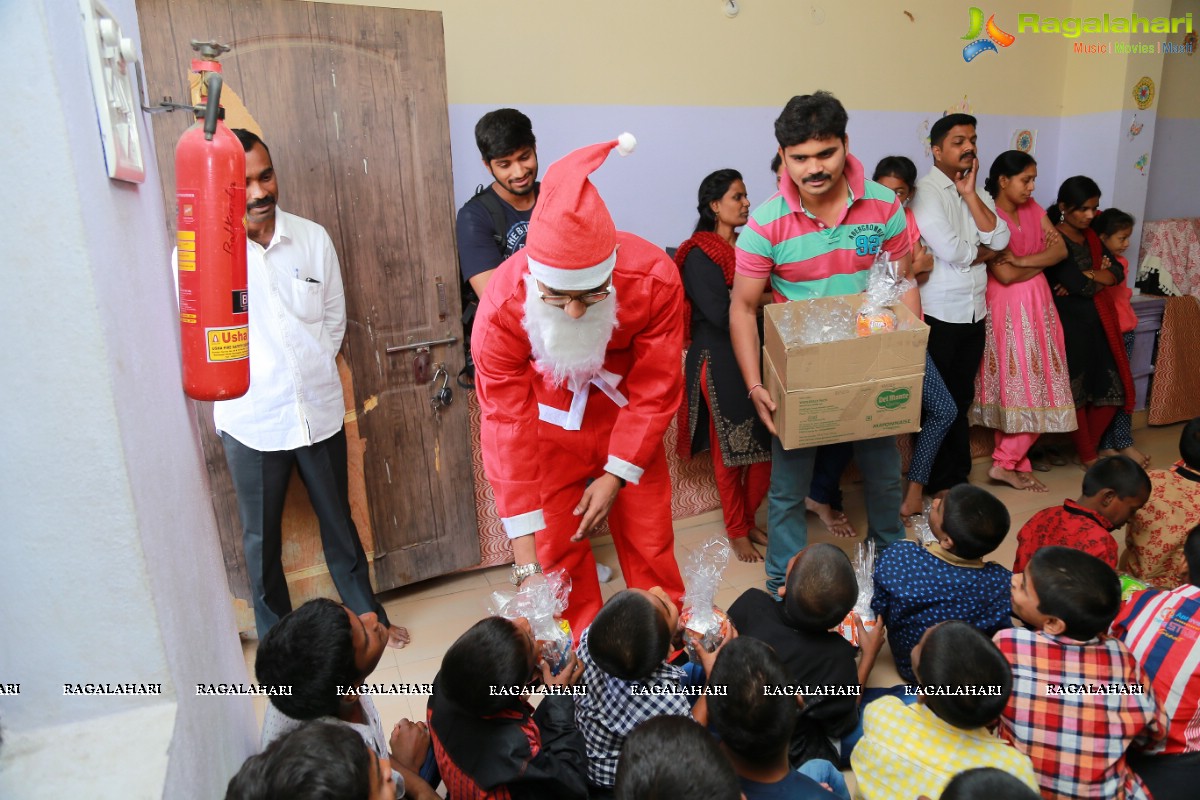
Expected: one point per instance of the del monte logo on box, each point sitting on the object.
(892, 399)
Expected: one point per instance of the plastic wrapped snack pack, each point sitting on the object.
(864, 569)
(701, 578)
(542, 604)
(885, 287)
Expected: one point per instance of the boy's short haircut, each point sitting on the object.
(755, 726)
(1189, 444)
(503, 132)
(629, 638)
(666, 758)
(1076, 587)
(821, 588)
(987, 783)
(1191, 554)
(899, 167)
(957, 654)
(975, 519)
(1120, 473)
(937, 134)
(811, 116)
(317, 761)
(492, 652)
(776, 163)
(310, 650)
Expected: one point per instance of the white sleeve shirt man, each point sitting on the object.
(297, 318)
(956, 289)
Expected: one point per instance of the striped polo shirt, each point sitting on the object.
(804, 257)
(1162, 630)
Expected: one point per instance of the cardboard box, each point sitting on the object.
(844, 391)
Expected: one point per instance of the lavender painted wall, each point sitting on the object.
(1172, 185)
(652, 192)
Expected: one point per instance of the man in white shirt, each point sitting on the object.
(960, 227)
(292, 415)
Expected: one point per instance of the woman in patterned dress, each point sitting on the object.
(716, 413)
(1023, 386)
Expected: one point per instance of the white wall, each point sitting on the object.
(110, 569)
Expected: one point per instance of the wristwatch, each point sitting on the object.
(520, 573)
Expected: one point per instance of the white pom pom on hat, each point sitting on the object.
(626, 143)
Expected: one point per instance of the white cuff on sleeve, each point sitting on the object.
(623, 469)
(523, 524)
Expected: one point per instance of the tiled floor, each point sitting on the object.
(436, 612)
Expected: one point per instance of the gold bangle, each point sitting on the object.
(750, 393)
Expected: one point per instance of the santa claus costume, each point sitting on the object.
(568, 397)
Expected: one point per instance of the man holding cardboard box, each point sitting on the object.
(817, 237)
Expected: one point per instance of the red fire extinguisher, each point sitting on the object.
(210, 181)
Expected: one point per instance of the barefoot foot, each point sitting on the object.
(1136, 455)
(744, 550)
(1011, 477)
(1032, 484)
(835, 521)
(398, 637)
(758, 536)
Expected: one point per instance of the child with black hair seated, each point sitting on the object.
(668, 758)
(916, 586)
(1079, 699)
(628, 680)
(819, 590)
(323, 651)
(488, 740)
(317, 761)
(985, 783)
(1113, 489)
(908, 750)
(754, 714)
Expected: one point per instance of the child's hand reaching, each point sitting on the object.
(569, 675)
(409, 744)
(707, 659)
(870, 639)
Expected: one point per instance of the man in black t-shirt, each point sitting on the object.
(492, 224)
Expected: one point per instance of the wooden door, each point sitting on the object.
(352, 103)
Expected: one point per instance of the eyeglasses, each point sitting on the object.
(564, 300)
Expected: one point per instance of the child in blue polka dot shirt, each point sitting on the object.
(916, 586)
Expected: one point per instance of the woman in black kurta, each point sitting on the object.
(1096, 361)
(717, 414)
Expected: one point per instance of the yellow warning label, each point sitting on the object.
(189, 319)
(187, 246)
(228, 344)
(189, 236)
(185, 256)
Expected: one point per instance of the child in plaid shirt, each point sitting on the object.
(628, 680)
(910, 750)
(1079, 699)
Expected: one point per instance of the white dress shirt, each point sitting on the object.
(297, 317)
(956, 290)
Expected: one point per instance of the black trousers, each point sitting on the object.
(1173, 777)
(260, 480)
(956, 349)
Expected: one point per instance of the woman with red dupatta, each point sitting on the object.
(1100, 379)
(716, 414)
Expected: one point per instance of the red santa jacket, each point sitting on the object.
(645, 352)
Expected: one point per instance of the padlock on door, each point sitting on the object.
(443, 395)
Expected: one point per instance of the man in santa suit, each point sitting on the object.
(577, 346)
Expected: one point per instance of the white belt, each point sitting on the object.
(572, 418)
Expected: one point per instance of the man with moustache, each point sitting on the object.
(816, 237)
(577, 351)
(292, 415)
(960, 227)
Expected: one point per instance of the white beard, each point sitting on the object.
(566, 349)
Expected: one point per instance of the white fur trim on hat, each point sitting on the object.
(626, 143)
(573, 280)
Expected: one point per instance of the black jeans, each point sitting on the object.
(956, 349)
(260, 480)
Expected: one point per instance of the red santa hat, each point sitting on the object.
(572, 242)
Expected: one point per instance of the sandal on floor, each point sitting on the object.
(1056, 458)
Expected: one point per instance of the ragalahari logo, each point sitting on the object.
(995, 37)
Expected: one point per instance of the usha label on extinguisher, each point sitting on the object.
(227, 344)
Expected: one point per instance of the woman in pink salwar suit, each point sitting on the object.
(1023, 388)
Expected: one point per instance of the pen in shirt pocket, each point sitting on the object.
(311, 280)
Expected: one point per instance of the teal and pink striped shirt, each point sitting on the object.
(805, 258)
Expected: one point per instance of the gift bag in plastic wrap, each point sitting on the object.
(920, 525)
(542, 603)
(864, 569)
(701, 577)
(885, 287)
